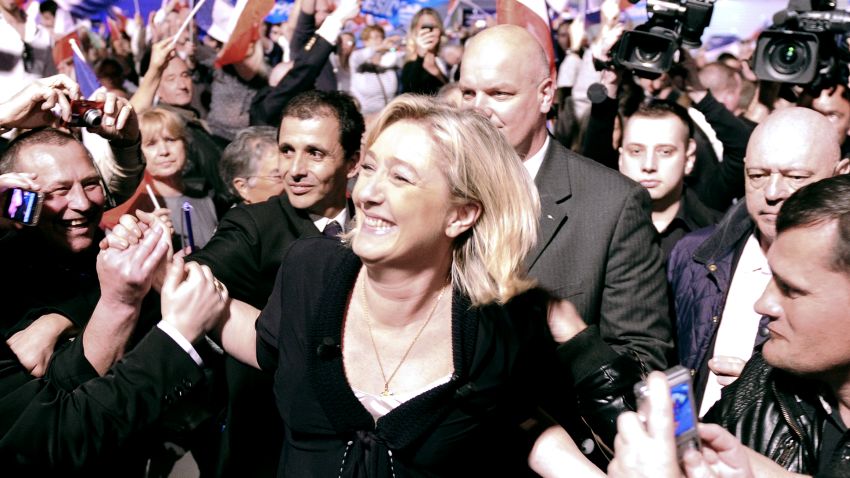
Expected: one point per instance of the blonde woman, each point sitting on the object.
(420, 346)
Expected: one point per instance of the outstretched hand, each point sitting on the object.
(193, 300)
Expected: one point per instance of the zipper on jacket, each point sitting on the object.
(791, 424)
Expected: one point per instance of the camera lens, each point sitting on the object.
(93, 118)
(788, 57)
(647, 55)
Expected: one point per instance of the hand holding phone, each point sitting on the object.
(20, 199)
(684, 407)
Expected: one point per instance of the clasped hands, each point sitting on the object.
(192, 299)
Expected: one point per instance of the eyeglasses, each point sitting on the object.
(275, 178)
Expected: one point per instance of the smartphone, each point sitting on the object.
(684, 407)
(428, 27)
(22, 205)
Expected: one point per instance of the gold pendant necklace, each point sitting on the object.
(365, 306)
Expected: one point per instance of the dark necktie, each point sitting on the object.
(332, 229)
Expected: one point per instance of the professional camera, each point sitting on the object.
(805, 45)
(649, 50)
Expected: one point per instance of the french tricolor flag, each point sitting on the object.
(534, 17)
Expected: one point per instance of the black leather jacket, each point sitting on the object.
(778, 415)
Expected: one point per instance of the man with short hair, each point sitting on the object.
(319, 144)
(597, 247)
(716, 274)
(790, 403)
(658, 151)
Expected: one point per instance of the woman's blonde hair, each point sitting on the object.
(481, 167)
(156, 120)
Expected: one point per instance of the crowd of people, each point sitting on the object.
(426, 256)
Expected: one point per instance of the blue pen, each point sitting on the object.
(187, 225)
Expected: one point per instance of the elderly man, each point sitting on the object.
(251, 165)
(717, 274)
(597, 246)
(51, 253)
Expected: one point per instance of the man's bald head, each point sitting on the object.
(796, 131)
(514, 43)
(505, 75)
(791, 148)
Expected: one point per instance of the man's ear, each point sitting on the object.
(690, 156)
(843, 166)
(352, 165)
(462, 217)
(241, 185)
(546, 93)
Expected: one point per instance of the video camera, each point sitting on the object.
(649, 50)
(805, 45)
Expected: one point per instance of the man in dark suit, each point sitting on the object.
(597, 246)
(319, 141)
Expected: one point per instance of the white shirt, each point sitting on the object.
(533, 162)
(322, 222)
(740, 322)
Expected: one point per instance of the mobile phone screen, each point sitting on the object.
(683, 411)
(20, 205)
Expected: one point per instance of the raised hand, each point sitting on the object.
(193, 301)
(126, 275)
(33, 106)
(120, 125)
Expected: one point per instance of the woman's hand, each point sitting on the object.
(427, 41)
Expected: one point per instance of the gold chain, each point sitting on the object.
(387, 381)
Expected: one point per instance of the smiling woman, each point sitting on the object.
(423, 346)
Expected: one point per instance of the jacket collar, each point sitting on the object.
(732, 229)
(553, 185)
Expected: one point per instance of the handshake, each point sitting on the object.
(137, 256)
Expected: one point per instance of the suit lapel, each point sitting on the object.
(553, 185)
